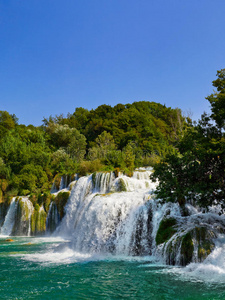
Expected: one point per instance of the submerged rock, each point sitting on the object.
(9, 240)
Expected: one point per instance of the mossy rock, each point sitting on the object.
(187, 248)
(41, 222)
(24, 209)
(22, 217)
(45, 200)
(180, 249)
(38, 221)
(57, 180)
(121, 185)
(61, 201)
(171, 251)
(93, 178)
(1, 196)
(71, 185)
(33, 198)
(166, 230)
(33, 221)
(204, 238)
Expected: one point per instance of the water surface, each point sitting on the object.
(47, 268)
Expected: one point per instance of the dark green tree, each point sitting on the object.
(196, 171)
(217, 99)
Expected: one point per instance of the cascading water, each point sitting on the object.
(120, 216)
(53, 218)
(103, 182)
(101, 220)
(8, 224)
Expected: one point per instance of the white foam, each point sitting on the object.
(52, 257)
(211, 270)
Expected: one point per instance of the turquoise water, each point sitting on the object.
(32, 268)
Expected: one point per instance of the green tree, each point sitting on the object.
(104, 143)
(7, 122)
(197, 170)
(77, 146)
(217, 99)
(129, 157)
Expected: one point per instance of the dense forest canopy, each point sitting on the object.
(188, 157)
(105, 138)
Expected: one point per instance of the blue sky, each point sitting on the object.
(56, 55)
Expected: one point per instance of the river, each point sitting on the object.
(47, 268)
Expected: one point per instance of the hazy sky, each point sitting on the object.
(56, 55)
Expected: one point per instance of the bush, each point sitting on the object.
(88, 167)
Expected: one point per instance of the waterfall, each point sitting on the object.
(120, 216)
(139, 181)
(99, 218)
(75, 206)
(53, 219)
(103, 182)
(24, 211)
(62, 182)
(10, 218)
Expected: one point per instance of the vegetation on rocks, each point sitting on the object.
(121, 185)
(38, 220)
(187, 248)
(166, 230)
(24, 211)
(60, 201)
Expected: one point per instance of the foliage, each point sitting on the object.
(217, 99)
(88, 167)
(103, 145)
(196, 171)
(62, 163)
(7, 122)
(107, 138)
(152, 126)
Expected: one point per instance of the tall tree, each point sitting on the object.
(197, 170)
(217, 99)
